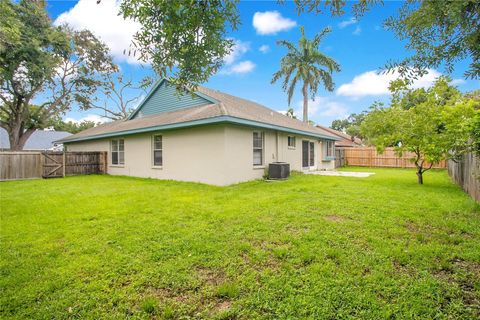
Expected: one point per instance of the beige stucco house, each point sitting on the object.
(205, 136)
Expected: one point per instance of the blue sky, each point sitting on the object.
(361, 47)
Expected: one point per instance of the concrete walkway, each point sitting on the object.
(341, 173)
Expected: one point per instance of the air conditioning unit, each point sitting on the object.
(278, 170)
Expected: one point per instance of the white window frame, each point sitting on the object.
(118, 151)
(289, 139)
(262, 148)
(330, 149)
(155, 149)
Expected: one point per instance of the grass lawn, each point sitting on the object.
(311, 247)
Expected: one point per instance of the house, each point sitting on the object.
(205, 136)
(346, 141)
(40, 140)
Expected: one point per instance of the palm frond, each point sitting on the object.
(291, 89)
(290, 46)
(325, 77)
(319, 36)
(326, 61)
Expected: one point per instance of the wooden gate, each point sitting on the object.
(61, 164)
(339, 157)
(53, 164)
(19, 165)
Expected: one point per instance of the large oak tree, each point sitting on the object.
(44, 70)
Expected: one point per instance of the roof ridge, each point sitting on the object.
(223, 109)
(226, 99)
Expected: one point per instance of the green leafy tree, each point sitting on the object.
(339, 124)
(350, 125)
(439, 127)
(291, 113)
(336, 7)
(54, 66)
(72, 127)
(440, 32)
(187, 38)
(306, 64)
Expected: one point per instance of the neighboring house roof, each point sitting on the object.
(346, 139)
(215, 107)
(39, 140)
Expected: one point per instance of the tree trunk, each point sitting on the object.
(419, 166)
(305, 102)
(420, 176)
(18, 137)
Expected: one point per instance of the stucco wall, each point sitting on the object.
(195, 154)
(239, 157)
(219, 155)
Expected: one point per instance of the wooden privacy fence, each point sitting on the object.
(20, 165)
(369, 157)
(466, 173)
(31, 165)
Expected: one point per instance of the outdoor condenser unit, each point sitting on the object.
(278, 170)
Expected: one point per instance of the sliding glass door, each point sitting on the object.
(308, 154)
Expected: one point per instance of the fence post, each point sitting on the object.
(64, 163)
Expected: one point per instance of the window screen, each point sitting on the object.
(258, 148)
(157, 151)
(118, 152)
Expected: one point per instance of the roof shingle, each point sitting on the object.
(227, 106)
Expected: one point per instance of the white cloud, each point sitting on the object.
(346, 23)
(264, 48)
(357, 31)
(323, 107)
(103, 20)
(89, 117)
(240, 68)
(231, 64)
(371, 83)
(456, 82)
(271, 22)
(238, 49)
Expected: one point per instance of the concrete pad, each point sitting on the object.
(341, 173)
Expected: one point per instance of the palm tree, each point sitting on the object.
(307, 64)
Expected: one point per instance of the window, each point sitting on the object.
(257, 148)
(330, 149)
(291, 142)
(118, 152)
(157, 151)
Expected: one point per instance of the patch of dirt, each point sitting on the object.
(469, 266)
(209, 276)
(412, 227)
(297, 230)
(464, 274)
(177, 295)
(334, 218)
(401, 267)
(269, 263)
(262, 256)
(222, 306)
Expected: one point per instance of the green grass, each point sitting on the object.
(310, 247)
